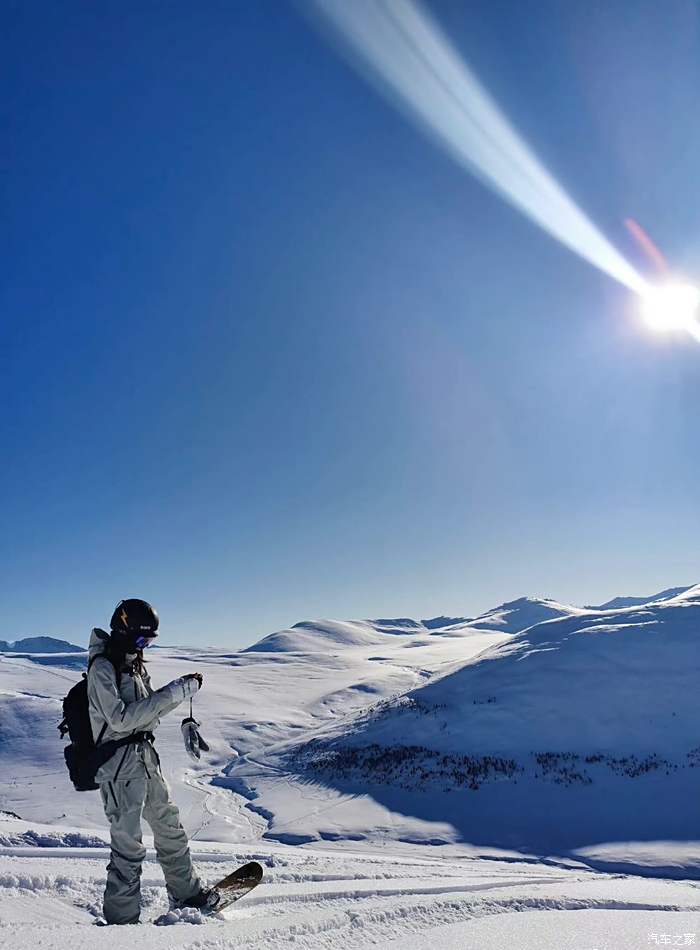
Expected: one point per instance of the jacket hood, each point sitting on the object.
(99, 640)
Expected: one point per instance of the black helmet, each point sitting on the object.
(134, 618)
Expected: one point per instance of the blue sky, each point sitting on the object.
(268, 355)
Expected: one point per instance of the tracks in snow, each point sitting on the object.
(219, 804)
(356, 914)
(319, 900)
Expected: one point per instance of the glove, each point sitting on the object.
(185, 686)
(194, 743)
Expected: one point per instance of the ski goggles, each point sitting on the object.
(141, 642)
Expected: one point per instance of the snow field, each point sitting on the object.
(323, 899)
(548, 860)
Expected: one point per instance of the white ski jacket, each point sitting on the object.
(127, 704)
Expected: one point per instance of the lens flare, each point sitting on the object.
(670, 307)
(397, 44)
(646, 245)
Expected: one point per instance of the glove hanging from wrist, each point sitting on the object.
(194, 743)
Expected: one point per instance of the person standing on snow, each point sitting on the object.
(123, 703)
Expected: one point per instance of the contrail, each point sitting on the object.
(418, 66)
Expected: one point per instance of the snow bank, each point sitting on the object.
(50, 839)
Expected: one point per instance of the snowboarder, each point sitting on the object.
(123, 703)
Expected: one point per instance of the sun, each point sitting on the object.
(668, 307)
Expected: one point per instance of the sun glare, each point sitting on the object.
(670, 307)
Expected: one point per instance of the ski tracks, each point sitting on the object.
(312, 899)
(374, 914)
(218, 804)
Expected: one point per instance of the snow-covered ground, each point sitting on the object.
(387, 897)
(250, 702)
(359, 851)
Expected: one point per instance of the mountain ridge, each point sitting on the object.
(39, 645)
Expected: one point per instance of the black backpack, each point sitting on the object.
(83, 755)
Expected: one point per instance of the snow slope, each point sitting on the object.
(558, 738)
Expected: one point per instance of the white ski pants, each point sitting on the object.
(124, 803)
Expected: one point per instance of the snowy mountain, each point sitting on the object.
(440, 623)
(532, 683)
(517, 615)
(321, 635)
(538, 726)
(587, 713)
(39, 645)
(618, 602)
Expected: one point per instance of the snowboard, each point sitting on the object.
(236, 885)
(231, 888)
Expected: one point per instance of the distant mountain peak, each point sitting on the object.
(39, 645)
(618, 603)
(511, 617)
(437, 623)
(514, 616)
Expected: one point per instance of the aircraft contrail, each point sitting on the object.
(424, 74)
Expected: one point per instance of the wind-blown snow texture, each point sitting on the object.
(471, 781)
